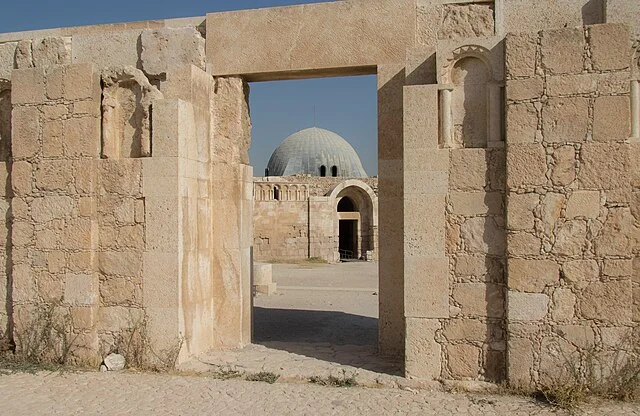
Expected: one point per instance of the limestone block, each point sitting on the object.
(615, 237)
(527, 307)
(24, 284)
(166, 49)
(51, 207)
(429, 18)
(520, 209)
(576, 271)
(571, 238)
(25, 140)
(78, 234)
(521, 123)
(21, 178)
(611, 117)
(528, 16)
(422, 352)
(558, 85)
(266, 289)
(7, 59)
(583, 204)
(121, 177)
(80, 289)
(563, 306)
(82, 136)
(468, 169)
(116, 318)
(479, 299)
(607, 301)
(526, 166)
(520, 361)
(24, 56)
(124, 263)
(550, 211)
(564, 168)
(426, 293)
(262, 273)
(82, 81)
(106, 49)
(476, 203)
(614, 83)
(525, 89)
(532, 275)
(323, 36)
(562, 51)
(523, 244)
(479, 266)
(460, 21)
(565, 119)
(118, 291)
(28, 86)
(610, 44)
(51, 51)
(617, 268)
(54, 175)
(483, 235)
(520, 54)
(464, 360)
(425, 234)
(604, 165)
(465, 329)
(615, 336)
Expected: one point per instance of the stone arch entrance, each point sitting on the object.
(356, 220)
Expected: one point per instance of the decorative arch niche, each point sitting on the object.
(470, 100)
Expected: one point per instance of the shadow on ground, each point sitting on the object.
(325, 335)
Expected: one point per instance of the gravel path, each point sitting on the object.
(153, 394)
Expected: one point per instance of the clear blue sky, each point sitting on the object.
(278, 109)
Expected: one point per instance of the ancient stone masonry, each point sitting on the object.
(572, 229)
(508, 188)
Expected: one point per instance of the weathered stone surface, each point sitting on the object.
(609, 46)
(565, 119)
(520, 208)
(521, 123)
(604, 165)
(466, 21)
(520, 359)
(169, 48)
(525, 89)
(563, 306)
(571, 238)
(51, 51)
(577, 271)
(520, 54)
(23, 55)
(468, 169)
(523, 244)
(615, 236)
(532, 275)
(22, 178)
(526, 166)
(479, 299)
(7, 59)
(572, 84)
(25, 140)
(465, 329)
(126, 263)
(611, 118)
(607, 301)
(114, 362)
(464, 360)
(107, 49)
(527, 307)
(550, 211)
(483, 235)
(51, 207)
(562, 51)
(583, 204)
(422, 352)
(80, 289)
(618, 267)
(564, 168)
(476, 203)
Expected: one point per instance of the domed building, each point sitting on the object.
(315, 200)
(316, 152)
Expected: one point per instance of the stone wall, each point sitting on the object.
(572, 233)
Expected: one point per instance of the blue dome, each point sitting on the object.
(316, 152)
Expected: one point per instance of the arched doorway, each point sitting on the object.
(356, 220)
(348, 224)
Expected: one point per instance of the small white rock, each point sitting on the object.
(103, 368)
(114, 362)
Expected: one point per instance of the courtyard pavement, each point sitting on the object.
(321, 322)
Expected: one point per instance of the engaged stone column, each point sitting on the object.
(446, 123)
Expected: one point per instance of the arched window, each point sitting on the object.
(276, 193)
(266, 172)
(334, 171)
(323, 171)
